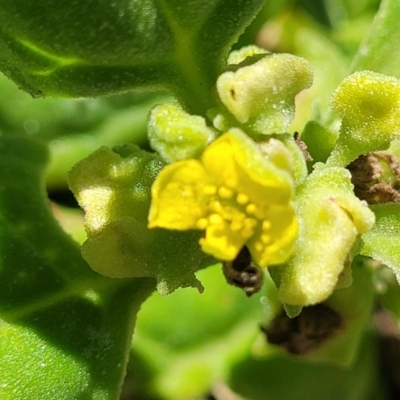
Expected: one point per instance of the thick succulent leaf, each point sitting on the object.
(82, 48)
(60, 334)
(380, 50)
(382, 242)
(113, 188)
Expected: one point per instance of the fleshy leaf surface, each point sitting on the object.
(259, 90)
(382, 242)
(368, 103)
(88, 49)
(113, 187)
(60, 334)
(331, 221)
(379, 50)
(177, 135)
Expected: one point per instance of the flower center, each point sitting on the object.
(230, 208)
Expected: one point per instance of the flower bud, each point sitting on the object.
(260, 95)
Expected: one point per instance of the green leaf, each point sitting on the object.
(121, 125)
(387, 288)
(215, 329)
(344, 318)
(354, 304)
(319, 141)
(282, 377)
(113, 187)
(60, 334)
(74, 128)
(330, 66)
(382, 242)
(379, 51)
(84, 49)
(48, 118)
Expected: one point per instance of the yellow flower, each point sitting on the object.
(234, 193)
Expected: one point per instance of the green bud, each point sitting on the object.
(285, 153)
(260, 91)
(177, 135)
(331, 221)
(369, 104)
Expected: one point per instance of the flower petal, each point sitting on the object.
(222, 242)
(275, 245)
(179, 196)
(234, 160)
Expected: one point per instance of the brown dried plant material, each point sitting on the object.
(302, 334)
(376, 177)
(241, 272)
(302, 147)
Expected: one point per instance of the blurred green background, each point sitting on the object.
(210, 346)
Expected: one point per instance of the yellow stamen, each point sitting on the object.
(248, 227)
(225, 192)
(215, 206)
(266, 225)
(265, 238)
(242, 199)
(251, 208)
(215, 219)
(202, 223)
(209, 189)
(250, 223)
